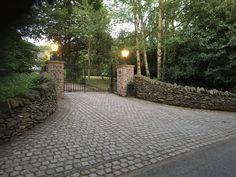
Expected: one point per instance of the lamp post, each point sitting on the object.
(54, 48)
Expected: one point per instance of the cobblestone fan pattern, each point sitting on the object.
(101, 134)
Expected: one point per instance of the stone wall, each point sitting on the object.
(26, 110)
(185, 96)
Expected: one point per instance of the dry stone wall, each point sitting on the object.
(172, 94)
(26, 110)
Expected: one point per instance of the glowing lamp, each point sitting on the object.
(125, 53)
(54, 47)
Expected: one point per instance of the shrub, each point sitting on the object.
(16, 83)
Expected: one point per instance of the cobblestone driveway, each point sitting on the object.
(101, 134)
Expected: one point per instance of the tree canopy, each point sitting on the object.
(190, 42)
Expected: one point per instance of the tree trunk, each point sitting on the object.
(164, 64)
(136, 24)
(159, 35)
(146, 63)
(144, 43)
(164, 47)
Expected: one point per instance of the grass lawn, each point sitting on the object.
(97, 83)
(15, 84)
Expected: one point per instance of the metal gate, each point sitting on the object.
(101, 78)
(96, 79)
(74, 78)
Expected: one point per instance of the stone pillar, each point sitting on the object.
(125, 75)
(56, 70)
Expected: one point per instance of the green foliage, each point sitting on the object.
(44, 48)
(76, 26)
(206, 57)
(74, 75)
(43, 56)
(44, 77)
(199, 37)
(102, 48)
(16, 54)
(16, 83)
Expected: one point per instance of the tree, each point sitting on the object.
(160, 37)
(74, 24)
(205, 56)
(137, 35)
(136, 10)
(98, 40)
(17, 55)
(143, 37)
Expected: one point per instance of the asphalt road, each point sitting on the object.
(217, 160)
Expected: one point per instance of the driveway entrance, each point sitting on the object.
(101, 134)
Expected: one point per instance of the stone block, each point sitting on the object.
(4, 106)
